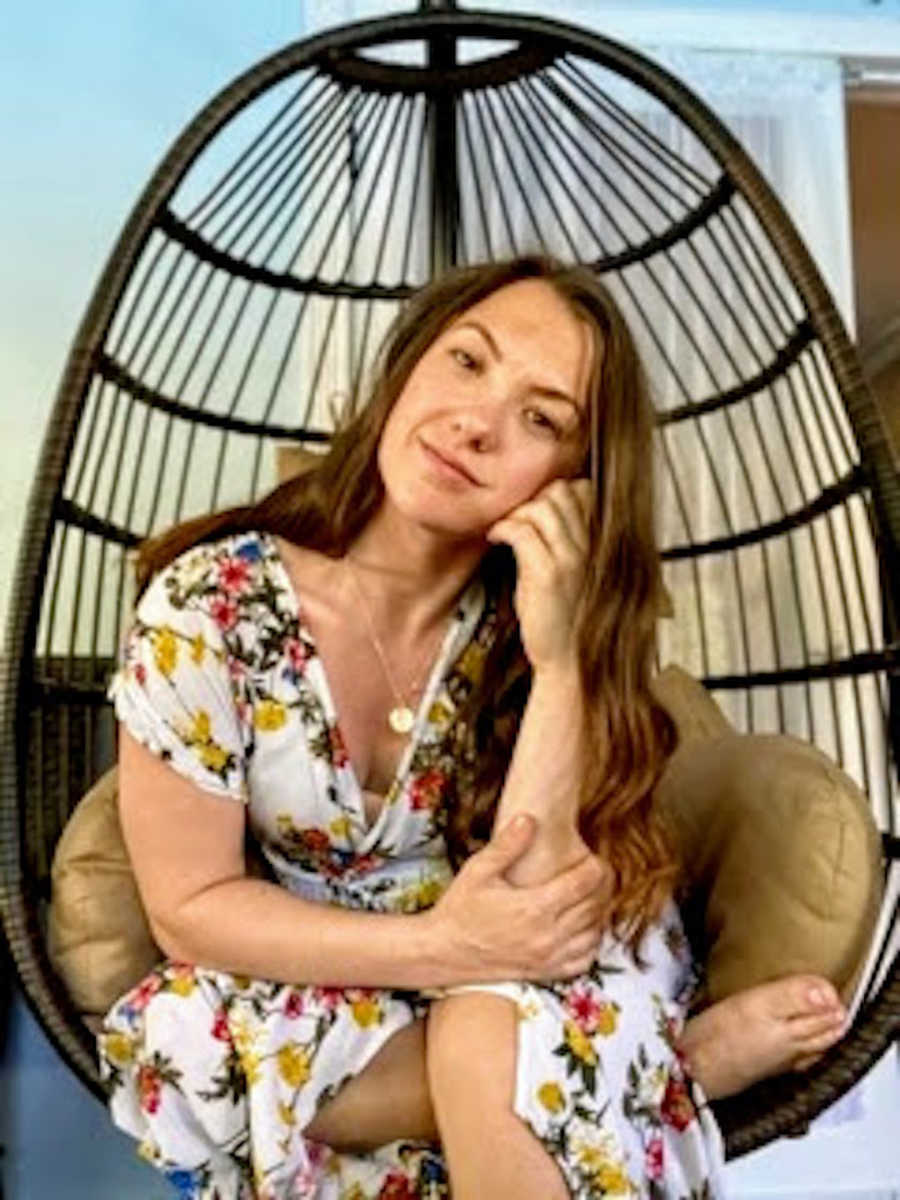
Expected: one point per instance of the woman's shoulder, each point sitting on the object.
(234, 552)
(222, 579)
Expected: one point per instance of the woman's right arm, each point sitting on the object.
(187, 849)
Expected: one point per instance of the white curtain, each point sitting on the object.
(787, 111)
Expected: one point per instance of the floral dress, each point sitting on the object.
(217, 1075)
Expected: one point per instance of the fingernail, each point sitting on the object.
(819, 997)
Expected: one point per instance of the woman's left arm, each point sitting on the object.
(544, 777)
(549, 536)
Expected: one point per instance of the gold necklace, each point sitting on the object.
(401, 717)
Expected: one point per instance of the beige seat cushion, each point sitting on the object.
(781, 855)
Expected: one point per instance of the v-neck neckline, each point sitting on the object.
(325, 697)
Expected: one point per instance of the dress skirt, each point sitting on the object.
(218, 1075)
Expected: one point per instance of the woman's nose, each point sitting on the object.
(476, 425)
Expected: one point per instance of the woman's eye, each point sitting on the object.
(540, 420)
(464, 359)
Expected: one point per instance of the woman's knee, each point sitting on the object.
(471, 1043)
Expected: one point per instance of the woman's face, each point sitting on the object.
(494, 409)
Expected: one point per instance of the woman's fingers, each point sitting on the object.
(560, 504)
(585, 881)
(582, 917)
(532, 551)
(567, 501)
(578, 956)
(550, 538)
(578, 497)
(557, 515)
(583, 490)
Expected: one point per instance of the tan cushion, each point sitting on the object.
(781, 854)
(689, 704)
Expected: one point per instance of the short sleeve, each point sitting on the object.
(177, 689)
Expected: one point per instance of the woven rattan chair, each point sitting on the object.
(243, 300)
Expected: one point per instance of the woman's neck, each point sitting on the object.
(412, 576)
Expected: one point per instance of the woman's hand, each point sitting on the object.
(549, 536)
(488, 929)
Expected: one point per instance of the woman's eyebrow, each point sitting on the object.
(486, 334)
(550, 393)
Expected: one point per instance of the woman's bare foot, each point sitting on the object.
(781, 1026)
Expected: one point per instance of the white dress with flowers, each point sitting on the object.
(217, 1075)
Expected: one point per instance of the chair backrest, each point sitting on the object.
(243, 301)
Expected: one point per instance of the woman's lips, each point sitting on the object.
(447, 468)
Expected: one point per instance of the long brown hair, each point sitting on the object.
(628, 734)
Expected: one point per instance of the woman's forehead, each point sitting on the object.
(523, 298)
(533, 312)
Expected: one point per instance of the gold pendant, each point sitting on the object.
(401, 719)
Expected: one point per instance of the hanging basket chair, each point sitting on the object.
(241, 306)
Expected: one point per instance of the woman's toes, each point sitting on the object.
(778, 1026)
(823, 995)
(816, 1047)
(804, 994)
(806, 1061)
(801, 1029)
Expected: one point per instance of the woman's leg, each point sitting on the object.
(780, 1026)
(489, 1149)
(762, 1031)
(471, 1061)
(162, 1054)
(216, 1077)
(392, 1099)
(389, 1099)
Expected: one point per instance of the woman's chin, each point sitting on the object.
(441, 521)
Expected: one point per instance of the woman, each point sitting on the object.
(429, 654)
